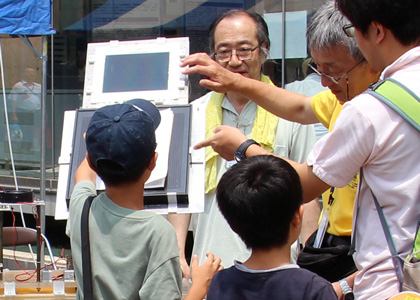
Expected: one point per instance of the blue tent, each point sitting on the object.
(25, 17)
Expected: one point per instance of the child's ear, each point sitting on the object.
(152, 163)
(297, 218)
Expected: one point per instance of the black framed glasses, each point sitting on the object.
(243, 53)
(349, 30)
(332, 78)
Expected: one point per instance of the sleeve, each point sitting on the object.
(304, 139)
(84, 188)
(164, 283)
(325, 293)
(323, 105)
(319, 288)
(81, 191)
(337, 157)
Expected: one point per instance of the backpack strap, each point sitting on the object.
(396, 259)
(86, 262)
(399, 98)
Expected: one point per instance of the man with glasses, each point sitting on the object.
(336, 80)
(343, 69)
(239, 43)
(367, 135)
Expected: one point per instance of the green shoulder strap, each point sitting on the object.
(407, 104)
(398, 97)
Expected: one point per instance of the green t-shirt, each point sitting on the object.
(134, 253)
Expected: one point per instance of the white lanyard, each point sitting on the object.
(324, 222)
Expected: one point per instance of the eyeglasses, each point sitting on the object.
(242, 54)
(349, 30)
(333, 79)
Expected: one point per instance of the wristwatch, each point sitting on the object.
(346, 289)
(240, 152)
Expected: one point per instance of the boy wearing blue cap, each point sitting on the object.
(134, 252)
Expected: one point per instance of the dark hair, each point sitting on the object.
(112, 179)
(402, 17)
(259, 197)
(262, 28)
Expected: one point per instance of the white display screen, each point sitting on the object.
(119, 71)
(136, 72)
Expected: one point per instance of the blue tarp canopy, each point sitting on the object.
(25, 17)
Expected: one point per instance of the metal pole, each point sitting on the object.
(39, 253)
(43, 126)
(1, 246)
(283, 54)
(41, 209)
(52, 95)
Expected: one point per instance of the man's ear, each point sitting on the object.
(379, 31)
(264, 45)
(152, 163)
(263, 53)
(297, 218)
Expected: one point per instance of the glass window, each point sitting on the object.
(20, 132)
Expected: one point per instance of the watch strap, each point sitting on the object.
(345, 288)
(240, 152)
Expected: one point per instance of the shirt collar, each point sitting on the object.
(405, 60)
(238, 265)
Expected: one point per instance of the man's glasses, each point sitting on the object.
(242, 54)
(332, 78)
(349, 30)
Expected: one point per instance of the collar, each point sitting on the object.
(404, 61)
(238, 265)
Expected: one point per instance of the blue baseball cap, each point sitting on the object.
(120, 138)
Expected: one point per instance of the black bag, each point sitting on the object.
(331, 263)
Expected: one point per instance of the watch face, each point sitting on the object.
(349, 296)
(238, 156)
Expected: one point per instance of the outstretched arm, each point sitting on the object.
(285, 104)
(312, 186)
(226, 141)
